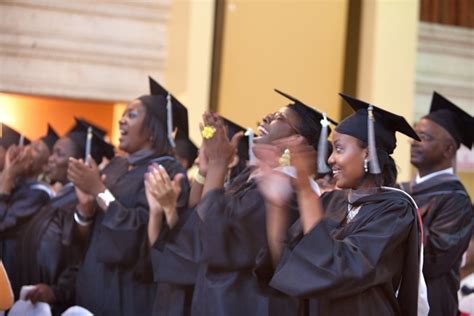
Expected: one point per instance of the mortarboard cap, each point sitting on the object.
(186, 149)
(10, 136)
(314, 127)
(459, 124)
(244, 146)
(99, 148)
(179, 111)
(80, 123)
(383, 125)
(50, 138)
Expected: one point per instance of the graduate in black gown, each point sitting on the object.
(232, 218)
(444, 203)
(116, 275)
(51, 248)
(176, 259)
(168, 212)
(21, 197)
(354, 251)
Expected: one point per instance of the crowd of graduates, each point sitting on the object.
(304, 217)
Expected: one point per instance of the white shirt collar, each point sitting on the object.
(419, 179)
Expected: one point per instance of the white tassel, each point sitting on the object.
(250, 134)
(88, 144)
(323, 146)
(374, 166)
(169, 120)
(22, 140)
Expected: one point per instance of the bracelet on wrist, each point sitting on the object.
(82, 220)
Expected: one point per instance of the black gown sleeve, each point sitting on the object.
(323, 265)
(176, 260)
(447, 235)
(232, 228)
(122, 232)
(22, 204)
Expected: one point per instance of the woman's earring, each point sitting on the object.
(366, 165)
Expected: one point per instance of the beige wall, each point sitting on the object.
(387, 64)
(295, 46)
(188, 70)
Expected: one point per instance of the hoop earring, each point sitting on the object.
(366, 165)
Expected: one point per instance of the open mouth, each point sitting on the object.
(336, 172)
(123, 132)
(262, 130)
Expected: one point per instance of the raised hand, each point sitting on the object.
(18, 160)
(303, 158)
(267, 154)
(218, 147)
(150, 183)
(85, 177)
(165, 191)
(275, 186)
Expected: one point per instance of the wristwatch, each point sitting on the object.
(104, 199)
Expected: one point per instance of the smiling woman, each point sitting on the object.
(344, 245)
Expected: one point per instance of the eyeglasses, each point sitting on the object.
(280, 117)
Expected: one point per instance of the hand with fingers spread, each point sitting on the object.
(303, 158)
(86, 177)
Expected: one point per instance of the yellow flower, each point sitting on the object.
(208, 132)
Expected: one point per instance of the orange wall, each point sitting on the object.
(30, 114)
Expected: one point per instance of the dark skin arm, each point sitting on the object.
(18, 161)
(303, 157)
(88, 184)
(196, 187)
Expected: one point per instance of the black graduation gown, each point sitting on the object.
(448, 223)
(50, 248)
(116, 277)
(232, 232)
(16, 211)
(175, 258)
(355, 268)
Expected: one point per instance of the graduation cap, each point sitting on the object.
(177, 113)
(80, 123)
(454, 120)
(314, 127)
(186, 149)
(90, 139)
(381, 127)
(245, 143)
(10, 136)
(50, 138)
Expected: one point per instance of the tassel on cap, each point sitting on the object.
(88, 143)
(21, 142)
(323, 146)
(250, 134)
(374, 167)
(169, 120)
